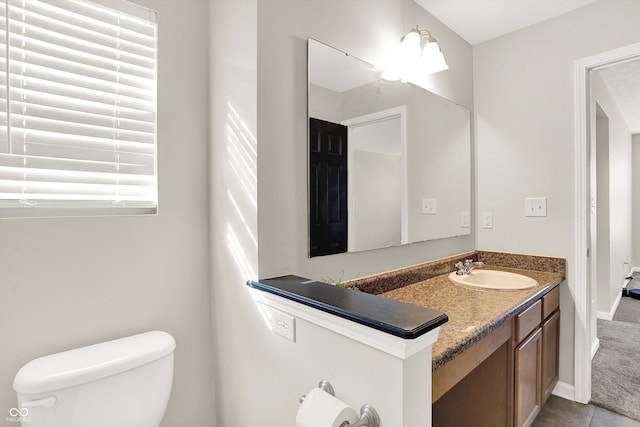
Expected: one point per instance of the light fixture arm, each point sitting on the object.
(424, 35)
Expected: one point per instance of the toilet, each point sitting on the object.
(121, 383)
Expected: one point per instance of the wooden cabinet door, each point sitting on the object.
(550, 354)
(528, 379)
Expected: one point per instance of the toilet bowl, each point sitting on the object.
(120, 383)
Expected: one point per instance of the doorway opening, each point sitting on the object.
(582, 270)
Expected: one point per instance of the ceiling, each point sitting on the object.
(623, 81)
(477, 21)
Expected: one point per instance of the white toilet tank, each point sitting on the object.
(120, 383)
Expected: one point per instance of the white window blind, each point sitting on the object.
(77, 108)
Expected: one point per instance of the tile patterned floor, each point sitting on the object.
(558, 412)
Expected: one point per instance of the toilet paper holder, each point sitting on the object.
(368, 415)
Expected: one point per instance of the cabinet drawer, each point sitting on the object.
(528, 320)
(550, 302)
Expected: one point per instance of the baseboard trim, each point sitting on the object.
(609, 315)
(564, 390)
(594, 347)
(605, 315)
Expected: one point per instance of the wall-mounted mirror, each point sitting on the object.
(389, 162)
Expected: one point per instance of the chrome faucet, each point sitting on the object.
(468, 265)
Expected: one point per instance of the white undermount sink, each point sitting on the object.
(494, 279)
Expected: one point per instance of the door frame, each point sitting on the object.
(579, 271)
(401, 113)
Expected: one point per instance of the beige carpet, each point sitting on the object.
(615, 374)
(629, 308)
(628, 311)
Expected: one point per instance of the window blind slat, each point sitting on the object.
(15, 175)
(106, 120)
(96, 55)
(141, 118)
(22, 136)
(36, 69)
(4, 138)
(81, 16)
(42, 53)
(70, 191)
(38, 155)
(88, 33)
(77, 105)
(72, 128)
(41, 167)
(50, 87)
(57, 33)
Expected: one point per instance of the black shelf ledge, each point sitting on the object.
(393, 317)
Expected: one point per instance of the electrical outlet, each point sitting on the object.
(281, 323)
(487, 220)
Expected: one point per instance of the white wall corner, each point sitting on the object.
(608, 315)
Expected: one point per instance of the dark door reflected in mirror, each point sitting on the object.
(327, 187)
(398, 171)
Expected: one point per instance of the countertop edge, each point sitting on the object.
(403, 320)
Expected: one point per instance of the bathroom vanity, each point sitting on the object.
(496, 361)
(504, 378)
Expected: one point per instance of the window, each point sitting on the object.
(77, 108)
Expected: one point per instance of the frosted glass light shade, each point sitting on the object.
(410, 59)
(433, 59)
(410, 46)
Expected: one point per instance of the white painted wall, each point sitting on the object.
(259, 205)
(635, 241)
(438, 154)
(326, 105)
(376, 204)
(259, 376)
(524, 134)
(69, 282)
(617, 197)
(601, 246)
(241, 374)
(366, 29)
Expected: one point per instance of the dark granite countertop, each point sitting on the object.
(392, 316)
(473, 313)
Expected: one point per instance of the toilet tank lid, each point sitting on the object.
(93, 362)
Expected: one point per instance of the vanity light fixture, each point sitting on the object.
(418, 52)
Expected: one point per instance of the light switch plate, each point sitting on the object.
(535, 206)
(429, 206)
(465, 220)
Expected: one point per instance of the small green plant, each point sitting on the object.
(340, 282)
